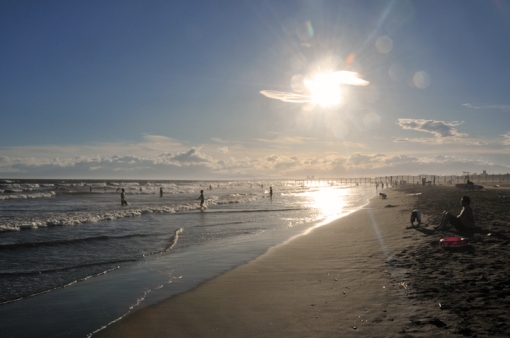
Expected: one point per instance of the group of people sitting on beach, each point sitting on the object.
(463, 223)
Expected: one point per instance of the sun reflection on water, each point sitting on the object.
(328, 202)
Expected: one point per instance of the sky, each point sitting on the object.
(172, 89)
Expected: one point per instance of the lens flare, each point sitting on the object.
(297, 83)
(421, 80)
(384, 44)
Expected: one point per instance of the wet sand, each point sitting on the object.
(365, 275)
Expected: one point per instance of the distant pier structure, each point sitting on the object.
(394, 181)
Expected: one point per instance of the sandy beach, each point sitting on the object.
(368, 274)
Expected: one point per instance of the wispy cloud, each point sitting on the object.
(488, 106)
(151, 145)
(223, 150)
(506, 138)
(450, 140)
(286, 140)
(440, 129)
(218, 140)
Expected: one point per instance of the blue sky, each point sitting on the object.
(167, 89)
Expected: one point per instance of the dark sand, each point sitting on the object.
(366, 275)
(472, 284)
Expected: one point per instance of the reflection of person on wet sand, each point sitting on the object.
(123, 198)
(201, 198)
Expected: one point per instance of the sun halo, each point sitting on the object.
(325, 89)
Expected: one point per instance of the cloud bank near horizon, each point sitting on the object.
(196, 164)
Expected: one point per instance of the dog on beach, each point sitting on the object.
(383, 196)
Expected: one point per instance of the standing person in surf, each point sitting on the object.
(123, 198)
(201, 198)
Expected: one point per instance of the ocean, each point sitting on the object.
(73, 260)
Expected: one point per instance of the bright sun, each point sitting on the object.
(325, 89)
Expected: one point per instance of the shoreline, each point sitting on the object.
(339, 279)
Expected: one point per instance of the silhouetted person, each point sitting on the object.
(201, 198)
(415, 216)
(123, 198)
(464, 222)
(161, 192)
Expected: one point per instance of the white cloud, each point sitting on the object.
(440, 129)
(192, 156)
(223, 150)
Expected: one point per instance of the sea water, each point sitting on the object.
(73, 260)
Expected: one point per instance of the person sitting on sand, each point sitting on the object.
(415, 216)
(464, 222)
(201, 198)
(123, 198)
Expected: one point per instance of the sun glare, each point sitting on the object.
(325, 89)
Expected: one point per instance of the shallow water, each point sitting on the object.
(81, 254)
